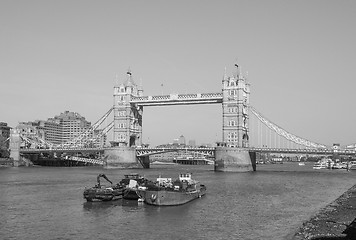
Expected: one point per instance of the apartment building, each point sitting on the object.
(57, 130)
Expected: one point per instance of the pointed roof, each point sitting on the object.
(129, 80)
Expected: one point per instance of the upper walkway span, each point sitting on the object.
(178, 99)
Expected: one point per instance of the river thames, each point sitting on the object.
(271, 203)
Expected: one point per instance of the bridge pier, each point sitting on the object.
(122, 157)
(229, 159)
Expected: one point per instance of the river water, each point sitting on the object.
(271, 203)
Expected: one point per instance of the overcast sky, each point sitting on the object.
(300, 57)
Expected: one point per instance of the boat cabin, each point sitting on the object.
(133, 176)
(132, 179)
(185, 177)
(164, 182)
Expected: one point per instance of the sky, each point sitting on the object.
(300, 57)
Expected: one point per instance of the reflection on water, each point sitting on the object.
(98, 206)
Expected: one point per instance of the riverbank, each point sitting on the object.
(6, 162)
(331, 221)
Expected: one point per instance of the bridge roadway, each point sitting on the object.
(178, 99)
(303, 151)
(140, 152)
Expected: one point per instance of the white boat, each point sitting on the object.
(319, 166)
(165, 192)
(352, 165)
(301, 164)
(323, 164)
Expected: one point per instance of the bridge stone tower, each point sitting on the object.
(236, 95)
(127, 127)
(127, 116)
(232, 155)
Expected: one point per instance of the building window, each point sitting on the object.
(232, 137)
(232, 110)
(232, 123)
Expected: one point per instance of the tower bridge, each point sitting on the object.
(234, 153)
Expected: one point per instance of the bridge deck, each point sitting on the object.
(178, 99)
(206, 151)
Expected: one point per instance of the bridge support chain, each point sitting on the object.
(121, 157)
(229, 159)
(145, 161)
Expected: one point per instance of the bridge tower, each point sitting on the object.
(127, 127)
(127, 116)
(233, 155)
(236, 95)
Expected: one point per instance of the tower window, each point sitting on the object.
(121, 113)
(232, 137)
(232, 92)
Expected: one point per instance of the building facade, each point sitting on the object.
(4, 139)
(57, 130)
(71, 125)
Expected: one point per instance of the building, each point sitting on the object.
(4, 137)
(60, 129)
(181, 140)
(4, 130)
(53, 130)
(192, 143)
(71, 124)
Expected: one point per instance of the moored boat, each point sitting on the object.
(319, 166)
(323, 164)
(130, 184)
(165, 192)
(103, 193)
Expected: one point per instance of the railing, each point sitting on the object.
(87, 160)
(49, 150)
(160, 98)
(301, 151)
(151, 151)
(199, 97)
